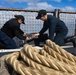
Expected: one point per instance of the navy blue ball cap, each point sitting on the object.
(20, 17)
(41, 12)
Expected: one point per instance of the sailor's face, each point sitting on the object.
(43, 18)
(20, 21)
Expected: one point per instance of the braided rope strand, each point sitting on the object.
(41, 67)
(20, 68)
(61, 50)
(38, 63)
(57, 56)
(48, 62)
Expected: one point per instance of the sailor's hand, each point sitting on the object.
(27, 38)
(24, 34)
(35, 35)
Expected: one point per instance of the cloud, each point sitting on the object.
(51, 0)
(20, 1)
(40, 5)
(57, 0)
(68, 8)
(33, 4)
(30, 1)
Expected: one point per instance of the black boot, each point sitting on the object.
(71, 39)
(74, 42)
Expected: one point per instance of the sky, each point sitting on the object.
(65, 5)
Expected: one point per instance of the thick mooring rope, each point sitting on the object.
(60, 50)
(57, 55)
(35, 65)
(41, 62)
(24, 70)
(49, 62)
(21, 68)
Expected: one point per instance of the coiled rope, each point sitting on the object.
(41, 62)
(60, 50)
(57, 56)
(21, 68)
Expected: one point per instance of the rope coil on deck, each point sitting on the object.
(57, 56)
(41, 61)
(21, 68)
(60, 50)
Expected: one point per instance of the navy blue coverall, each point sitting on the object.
(57, 26)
